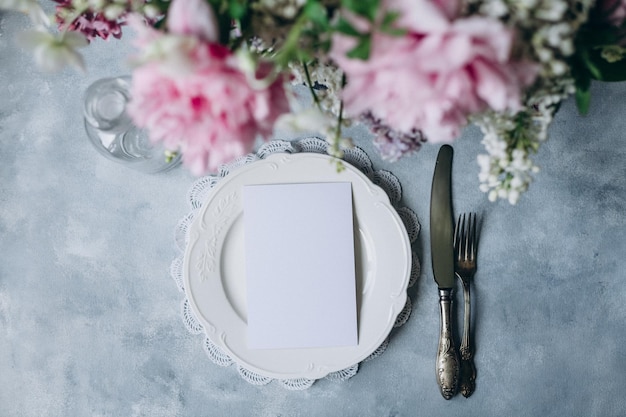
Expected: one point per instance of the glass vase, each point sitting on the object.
(112, 132)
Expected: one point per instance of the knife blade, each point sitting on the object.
(442, 255)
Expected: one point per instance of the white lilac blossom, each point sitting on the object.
(506, 170)
(510, 139)
(549, 28)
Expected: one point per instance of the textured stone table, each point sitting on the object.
(90, 319)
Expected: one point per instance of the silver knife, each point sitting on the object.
(442, 252)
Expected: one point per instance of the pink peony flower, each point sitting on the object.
(434, 77)
(213, 111)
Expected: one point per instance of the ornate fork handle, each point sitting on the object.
(467, 382)
(447, 358)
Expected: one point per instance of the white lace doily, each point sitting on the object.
(200, 191)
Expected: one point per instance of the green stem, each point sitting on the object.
(316, 99)
(339, 118)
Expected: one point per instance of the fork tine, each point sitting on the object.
(465, 237)
(460, 245)
(472, 236)
(468, 238)
(467, 230)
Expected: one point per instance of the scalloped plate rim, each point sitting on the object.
(397, 298)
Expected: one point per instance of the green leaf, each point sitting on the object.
(365, 8)
(343, 26)
(237, 9)
(316, 13)
(389, 18)
(362, 50)
(607, 71)
(387, 25)
(583, 98)
(590, 64)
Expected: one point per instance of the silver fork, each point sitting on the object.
(465, 242)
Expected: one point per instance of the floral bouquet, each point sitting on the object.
(210, 76)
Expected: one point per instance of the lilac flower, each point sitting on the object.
(392, 144)
(100, 19)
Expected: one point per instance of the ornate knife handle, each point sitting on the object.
(447, 357)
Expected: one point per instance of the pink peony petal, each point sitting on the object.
(193, 17)
(492, 86)
(423, 15)
(491, 38)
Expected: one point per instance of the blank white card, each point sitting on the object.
(300, 271)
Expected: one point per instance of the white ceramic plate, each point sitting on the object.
(214, 267)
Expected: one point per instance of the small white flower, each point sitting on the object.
(552, 10)
(496, 8)
(544, 54)
(517, 182)
(96, 4)
(336, 152)
(558, 67)
(483, 162)
(151, 11)
(290, 11)
(567, 46)
(513, 197)
(346, 143)
(53, 52)
(309, 120)
(114, 11)
(528, 4)
(31, 7)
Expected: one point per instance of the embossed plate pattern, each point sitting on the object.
(214, 268)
